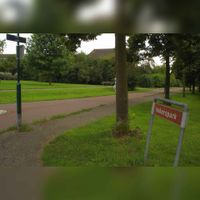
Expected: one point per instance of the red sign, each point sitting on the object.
(168, 113)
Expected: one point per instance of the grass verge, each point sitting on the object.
(23, 128)
(93, 145)
(60, 116)
(28, 127)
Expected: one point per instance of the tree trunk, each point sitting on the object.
(50, 77)
(190, 88)
(183, 84)
(167, 78)
(193, 86)
(122, 126)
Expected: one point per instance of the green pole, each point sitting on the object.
(19, 106)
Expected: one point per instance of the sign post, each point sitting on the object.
(19, 52)
(171, 114)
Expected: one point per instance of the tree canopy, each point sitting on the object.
(51, 53)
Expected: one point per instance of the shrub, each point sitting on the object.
(145, 81)
(7, 76)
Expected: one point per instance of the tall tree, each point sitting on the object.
(163, 45)
(137, 49)
(149, 45)
(187, 62)
(45, 53)
(49, 53)
(122, 126)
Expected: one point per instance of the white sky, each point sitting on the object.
(10, 45)
(104, 41)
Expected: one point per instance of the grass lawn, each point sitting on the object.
(93, 145)
(11, 85)
(41, 91)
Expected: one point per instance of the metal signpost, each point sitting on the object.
(19, 54)
(171, 114)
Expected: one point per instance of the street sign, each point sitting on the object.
(19, 54)
(15, 38)
(21, 51)
(171, 114)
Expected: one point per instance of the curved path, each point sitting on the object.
(45, 109)
(24, 149)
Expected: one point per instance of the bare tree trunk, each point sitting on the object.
(193, 86)
(183, 84)
(167, 78)
(50, 80)
(190, 88)
(122, 126)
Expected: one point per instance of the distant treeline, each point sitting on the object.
(53, 58)
(82, 69)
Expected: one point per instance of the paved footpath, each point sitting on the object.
(45, 109)
(25, 149)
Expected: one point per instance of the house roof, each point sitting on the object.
(102, 53)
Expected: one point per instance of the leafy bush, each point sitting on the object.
(132, 80)
(156, 80)
(7, 76)
(145, 81)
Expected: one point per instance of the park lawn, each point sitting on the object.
(11, 85)
(40, 91)
(57, 94)
(93, 144)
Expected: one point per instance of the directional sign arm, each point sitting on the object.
(15, 38)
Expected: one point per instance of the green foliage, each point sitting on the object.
(51, 58)
(73, 41)
(46, 53)
(162, 44)
(147, 77)
(183, 48)
(8, 64)
(92, 71)
(136, 44)
(132, 79)
(186, 66)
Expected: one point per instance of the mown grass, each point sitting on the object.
(40, 91)
(11, 85)
(93, 145)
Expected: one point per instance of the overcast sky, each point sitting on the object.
(104, 41)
